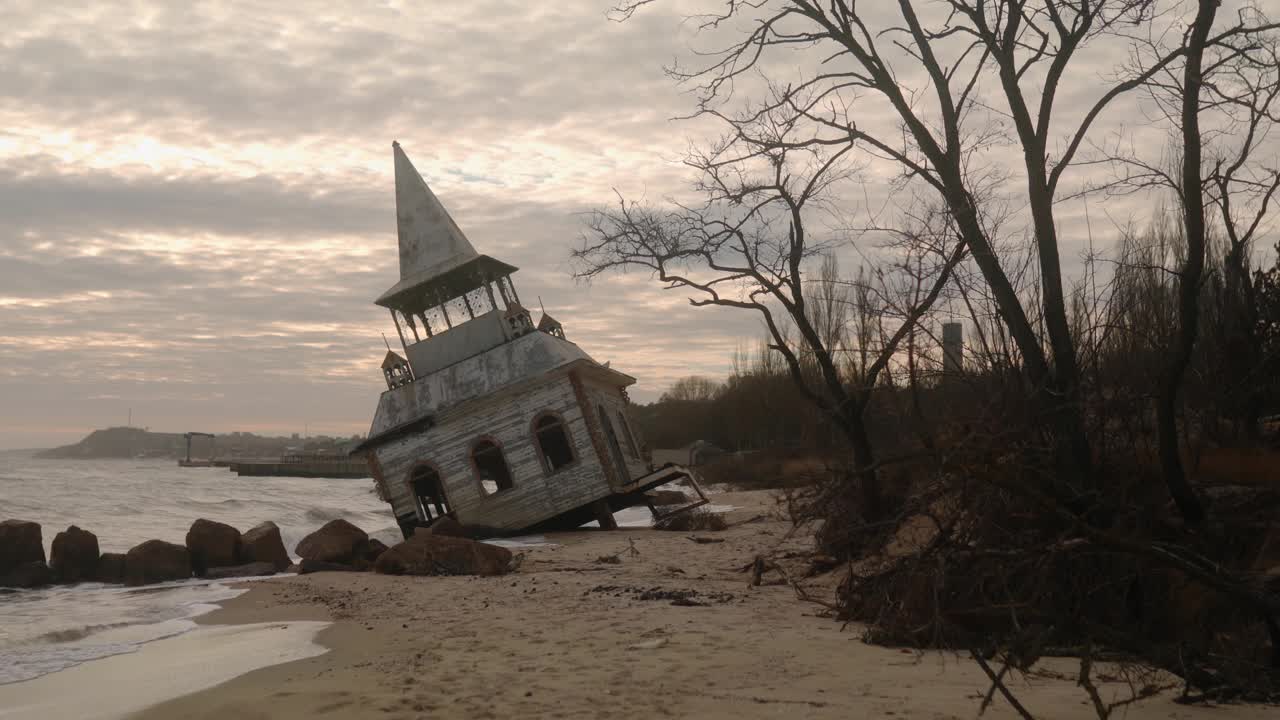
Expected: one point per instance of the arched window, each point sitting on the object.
(491, 467)
(626, 434)
(428, 493)
(553, 440)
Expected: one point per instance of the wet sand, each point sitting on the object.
(117, 686)
(569, 636)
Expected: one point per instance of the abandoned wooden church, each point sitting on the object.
(487, 417)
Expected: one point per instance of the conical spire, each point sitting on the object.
(430, 241)
(437, 262)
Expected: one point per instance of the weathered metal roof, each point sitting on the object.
(435, 256)
(392, 359)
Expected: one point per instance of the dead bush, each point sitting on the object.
(987, 556)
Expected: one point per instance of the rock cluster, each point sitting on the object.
(212, 549)
(217, 551)
(339, 545)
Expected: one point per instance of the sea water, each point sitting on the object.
(126, 502)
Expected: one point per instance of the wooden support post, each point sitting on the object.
(444, 309)
(414, 327)
(512, 287)
(488, 290)
(502, 290)
(467, 301)
(604, 515)
(399, 332)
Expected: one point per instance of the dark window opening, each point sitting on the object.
(554, 442)
(428, 494)
(491, 466)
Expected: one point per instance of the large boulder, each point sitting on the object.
(263, 544)
(156, 561)
(431, 554)
(253, 569)
(74, 555)
(110, 568)
(337, 542)
(212, 544)
(373, 550)
(27, 575)
(446, 526)
(20, 543)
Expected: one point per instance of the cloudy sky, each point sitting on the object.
(198, 203)
(198, 207)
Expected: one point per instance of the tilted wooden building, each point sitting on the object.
(487, 417)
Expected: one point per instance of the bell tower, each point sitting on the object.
(451, 302)
(396, 370)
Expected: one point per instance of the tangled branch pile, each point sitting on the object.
(989, 551)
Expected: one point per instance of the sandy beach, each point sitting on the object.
(671, 629)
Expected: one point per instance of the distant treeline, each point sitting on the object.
(757, 407)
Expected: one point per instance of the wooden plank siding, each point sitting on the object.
(507, 419)
(612, 399)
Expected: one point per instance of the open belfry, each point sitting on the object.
(487, 417)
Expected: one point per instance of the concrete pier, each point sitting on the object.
(310, 468)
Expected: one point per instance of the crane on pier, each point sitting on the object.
(188, 436)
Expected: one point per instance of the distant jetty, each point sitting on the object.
(318, 465)
(244, 453)
(315, 466)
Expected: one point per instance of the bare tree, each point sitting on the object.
(930, 67)
(694, 388)
(1219, 106)
(748, 246)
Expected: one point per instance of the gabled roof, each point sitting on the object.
(547, 322)
(392, 360)
(435, 255)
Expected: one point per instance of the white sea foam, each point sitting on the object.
(44, 631)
